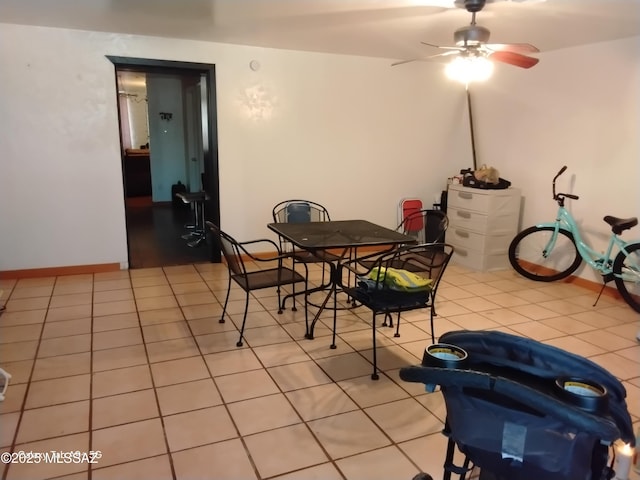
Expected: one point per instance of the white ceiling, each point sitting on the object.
(379, 28)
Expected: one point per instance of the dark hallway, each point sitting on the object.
(155, 234)
(168, 108)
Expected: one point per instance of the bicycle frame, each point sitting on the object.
(601, 262)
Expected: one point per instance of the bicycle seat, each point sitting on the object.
(619, 225)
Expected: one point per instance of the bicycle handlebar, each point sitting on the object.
(555, 197)
(562, 170)
(559, 197)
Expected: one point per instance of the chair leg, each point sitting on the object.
(281, 302)
(293, 290)
(226, 300)
(244, 319)
(433, 335)
(335, 326)
(306, 310)
(353, 254)
(397, 334)
(335, 315)
(448, 462)
(374, 375)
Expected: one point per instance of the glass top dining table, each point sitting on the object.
(347, 235)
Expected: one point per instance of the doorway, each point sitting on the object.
(180, 154)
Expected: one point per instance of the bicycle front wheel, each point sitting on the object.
(626, 271)
(528, 256)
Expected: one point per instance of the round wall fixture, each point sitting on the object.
(254, 65)
(444, 355)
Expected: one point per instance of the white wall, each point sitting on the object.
(348, 132)
(578, 107)
(351, 133)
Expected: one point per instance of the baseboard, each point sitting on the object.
(59, 271)
(581, 282)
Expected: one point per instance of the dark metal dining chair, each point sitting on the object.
(424, 226)
(303, 211)
(374, 288)
(235, 253)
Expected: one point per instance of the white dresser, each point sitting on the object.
(482, 224)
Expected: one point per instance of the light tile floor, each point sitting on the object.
(134, 364)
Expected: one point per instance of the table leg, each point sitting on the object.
(333, 267)
(334, 272)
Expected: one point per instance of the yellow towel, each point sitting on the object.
(401, 280)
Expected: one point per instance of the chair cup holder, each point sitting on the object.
(444, 355)
(584, 394)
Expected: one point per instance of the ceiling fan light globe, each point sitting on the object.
(468, 69)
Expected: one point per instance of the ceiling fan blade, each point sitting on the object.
(512, 47)
(446, 54)
(402, 62)
(513, 58)
(423, 59)
(443, 48)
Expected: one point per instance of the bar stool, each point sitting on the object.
(196, 200)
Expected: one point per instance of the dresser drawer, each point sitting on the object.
(486, 244)
(499, 202)
(481, 223)
(475, 260)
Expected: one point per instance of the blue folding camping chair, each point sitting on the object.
(522, 410)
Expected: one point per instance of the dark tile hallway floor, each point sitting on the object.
(154, 233)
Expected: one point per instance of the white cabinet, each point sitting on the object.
(482, 224)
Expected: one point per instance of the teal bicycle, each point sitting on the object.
(551, 251)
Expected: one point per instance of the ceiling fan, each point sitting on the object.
(471, 42)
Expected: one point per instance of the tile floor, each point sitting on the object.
(134, 364)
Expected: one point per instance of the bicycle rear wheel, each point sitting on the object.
(528, 257)
(626, 271)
